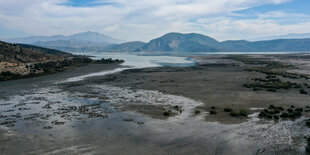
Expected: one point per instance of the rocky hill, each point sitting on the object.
(21, 61)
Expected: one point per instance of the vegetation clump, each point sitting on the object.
(302, 91)
(213, 112)
(197, 111)
(234, 113)
(308, 123)
(167, 112)
(227, 109)
(242, 112)
(274, 112)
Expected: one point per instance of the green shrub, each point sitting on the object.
(297, 113)
(271, 106)
(290, 110)
(227, 109)
(302, 91)
(284, 115)
(167, 113)
(307, 149)
(276, 111)
(262, 114)
(308, 124)
(213, 112)
(243, 112)
(291, 115)
(271, 90)
(197, 111)
(234, 114)
(299, 109)
(280, 108)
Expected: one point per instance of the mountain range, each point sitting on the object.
(170, 42)
(86, 41)
(193, 42)
(288, 36)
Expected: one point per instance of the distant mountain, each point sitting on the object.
(85, 36)
(73, 43)
(279, 45)
(127, 47)
(193, 42)
(288, 36)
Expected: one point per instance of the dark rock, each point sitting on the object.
(56, 122)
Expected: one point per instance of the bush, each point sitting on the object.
(299, 109)
(284, 115)
(227, 109)
(280, 108)
(213, 112)
(271, 106)
(291, 115)
(271, 90)
(197, 111)
(307, 149)
(167, 113)
(276, 111)
(243, 112)
(308, 124)
(290, 110)
(297, 113)
(302, 91)
(262, 114)
(176, 107)
(234, 114)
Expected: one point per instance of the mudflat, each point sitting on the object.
(219, 82)
(225, 104)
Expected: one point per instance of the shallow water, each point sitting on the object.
(134, 61)
(44, 116)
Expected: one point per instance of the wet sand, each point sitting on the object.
(216, 81)
(122, 113)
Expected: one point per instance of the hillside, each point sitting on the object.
(21, 53)
(128, 47)
(21, 61)
(191, 42)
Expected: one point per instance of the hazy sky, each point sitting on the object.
(146, 19)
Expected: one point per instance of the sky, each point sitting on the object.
(144, 20)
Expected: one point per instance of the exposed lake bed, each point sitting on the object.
(124, 112)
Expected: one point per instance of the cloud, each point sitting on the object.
(270, 23)
(138, 19)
